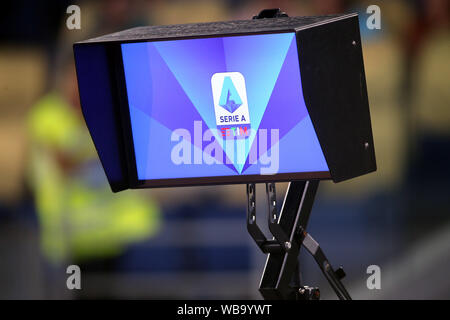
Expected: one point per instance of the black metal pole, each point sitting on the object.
(297, 205)
(281, 276)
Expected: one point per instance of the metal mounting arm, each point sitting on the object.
(333, 277)
(281, 241)
(280, 279)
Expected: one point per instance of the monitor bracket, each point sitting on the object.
(281, 276)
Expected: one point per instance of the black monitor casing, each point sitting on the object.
(332, 75)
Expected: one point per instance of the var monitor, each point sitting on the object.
(277, 99)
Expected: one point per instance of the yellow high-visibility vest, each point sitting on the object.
(80, 218)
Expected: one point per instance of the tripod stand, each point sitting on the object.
(281, 278)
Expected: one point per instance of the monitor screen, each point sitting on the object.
(219, 107)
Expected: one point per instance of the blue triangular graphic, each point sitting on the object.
(229, 98)
(265, 50)
(193, 67)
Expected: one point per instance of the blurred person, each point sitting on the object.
(80, 218)
(81, 221)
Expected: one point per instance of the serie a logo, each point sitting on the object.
(230, 105)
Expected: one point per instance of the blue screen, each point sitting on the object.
(224, 106)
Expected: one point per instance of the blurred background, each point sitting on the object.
(56, 208)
